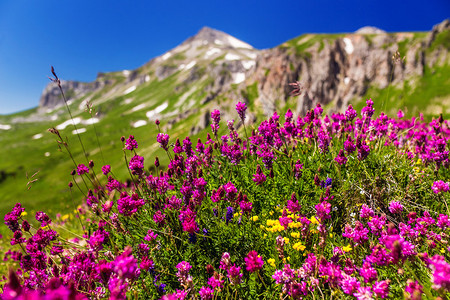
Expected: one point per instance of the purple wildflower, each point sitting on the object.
(129, 205)
(177, 149)
(43, 218)
(215, 281)
(131, 143)
(440, 186)
(350, 284)
(215, 115)
(206, 293)
(414, 289)
(163, 140)
(82, 169)
(241, 108)
(366, 212)
(349, 145)
(298, 170)
(159, 218)
(368, 110)
(368, 272)
(12, 217)
(259, 177)
(137, 165)
(106, 169)
(341, 159)
(229, 214)
(125, 265)
(441, 272)
(350, 113)
(147, 264)
(253, 262)
(318, 110)
(381, 288)
(357, 234)
(395, 207)
(363, 293)
(323, 210)
(292, 204)
(234, 274)
(150, 236)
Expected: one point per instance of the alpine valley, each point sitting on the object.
(213, 70)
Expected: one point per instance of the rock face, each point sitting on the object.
(338, 70)
(51, 96)
(332, 69)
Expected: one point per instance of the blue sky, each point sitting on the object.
(81, 38)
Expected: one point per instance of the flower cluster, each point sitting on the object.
(333, 203)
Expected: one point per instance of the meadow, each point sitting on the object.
(348, 206)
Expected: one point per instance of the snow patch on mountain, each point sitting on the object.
(212, 51)
(90, 121)
(238, 78)
(348, 46)
(190, 65)
(138, 107)
(151, 113)
(79, 130)
(139, 123)
(166, 56)
(237, 43)
(248, 64)
(63, 125)
(231, 56)
(129, 90)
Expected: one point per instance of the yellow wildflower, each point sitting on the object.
(347, 248)
(286, 240)
(23, 214)
(271, 262)
(255, 218)
(298, 246)
(295, 234)
(314, 220)
(443, 250)
(65, 217)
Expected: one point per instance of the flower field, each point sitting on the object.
(347, 206)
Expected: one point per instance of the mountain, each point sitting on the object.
(213, 70)
(334, 70)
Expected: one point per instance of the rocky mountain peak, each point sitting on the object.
(208, 35)
(370, 30)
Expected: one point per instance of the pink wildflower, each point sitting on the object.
(253, 262)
